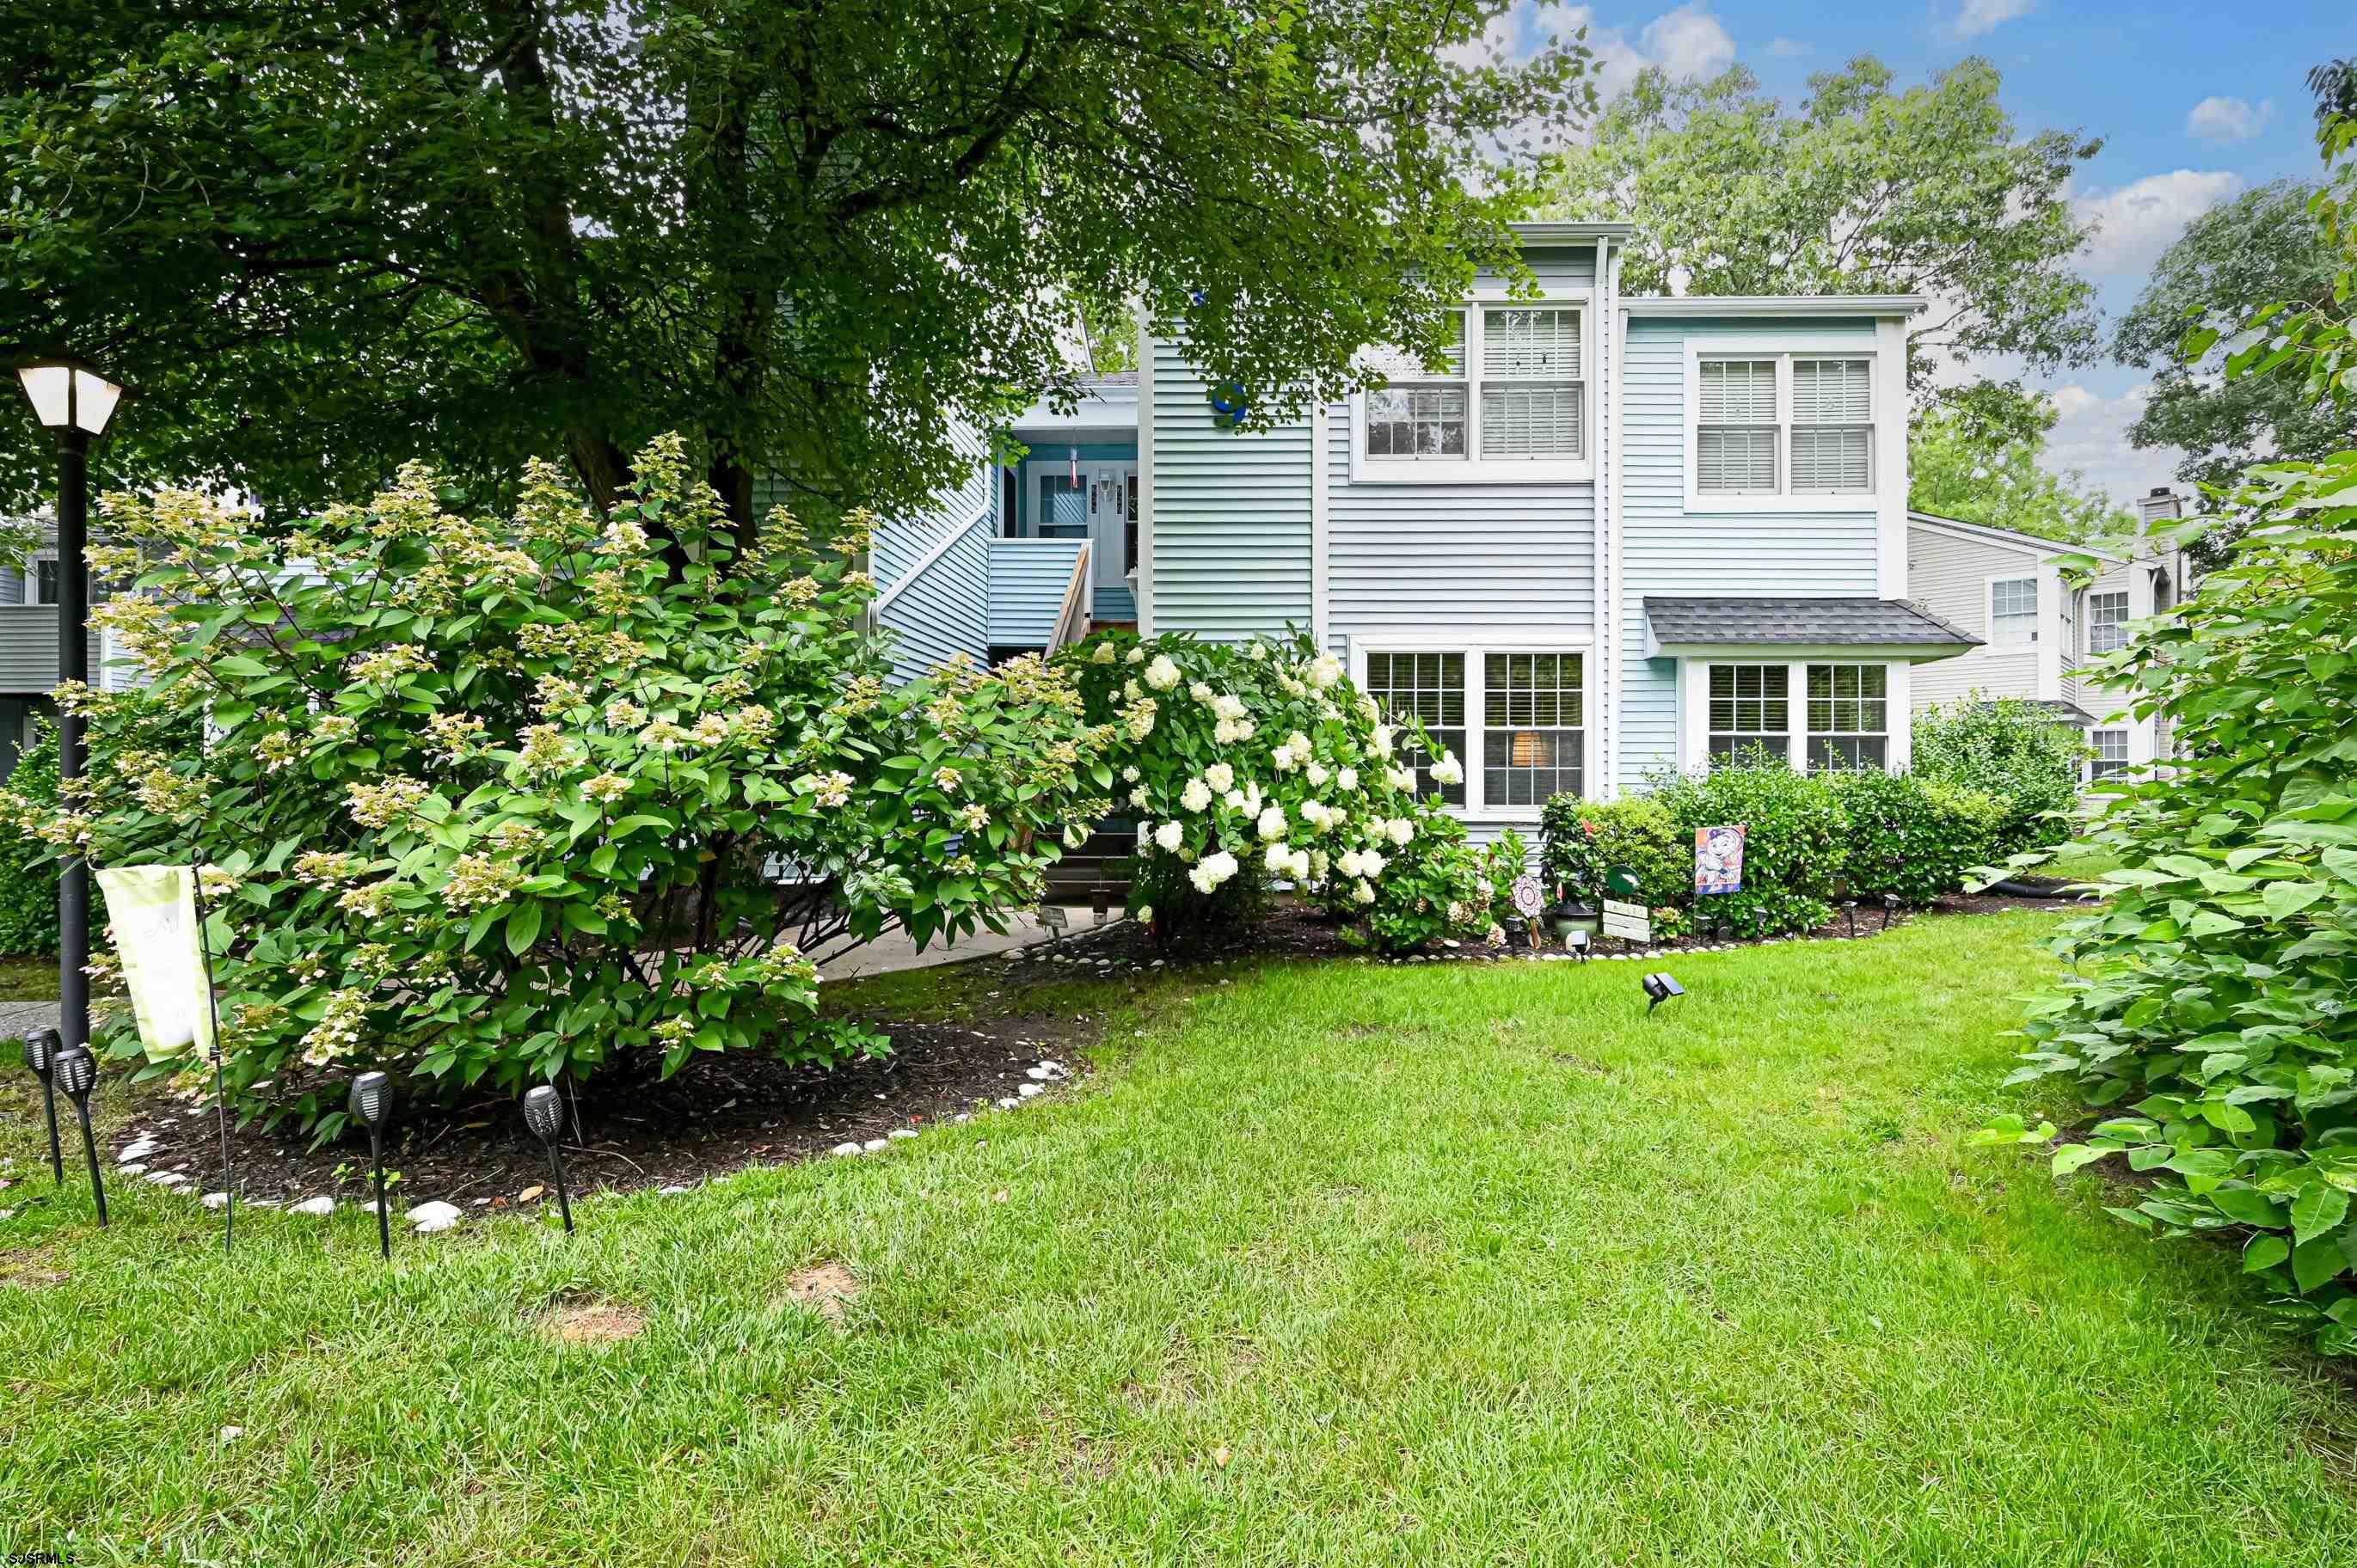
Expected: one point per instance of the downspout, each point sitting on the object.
(1610, 653)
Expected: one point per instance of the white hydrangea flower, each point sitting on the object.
(1229, 707)
(1257, 652)
(1196, 796)
(1168, 835)
(1316, 814)
(1299, 866)
(1318, 866)
(1380, 741)
(1215, 869)
(1103, 654)
(1317, 773)
(1233, 732)
(1130, 775)
(1132, 690)
(1220, 776)
(1162, 674)
(1448, 770)
(1369, 709)
(1401, 830)
(1347, 781)
(1138, 655)
(1279, 855)
(1325, 671)
(1272, 823)
(1401, 779)
(1137, 797)
(1144, 916)
(1284, 758)
(1371, 864)
(1233, 800)
(1364, 894)
(1347, 863)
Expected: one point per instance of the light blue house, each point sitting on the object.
(1614, 535)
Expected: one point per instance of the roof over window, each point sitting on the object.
(1895, 626)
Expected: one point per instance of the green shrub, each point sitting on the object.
(1914, 836)
(28, 867)
(1794, 845)
(1580, 839)
(1507, 859)
(493, 799)
(2010, 749)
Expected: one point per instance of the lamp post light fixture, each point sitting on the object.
(75, 402)
(543, 1113)
(371, 1107)
(41, 1057)
(78, 1075)
(1660, 988)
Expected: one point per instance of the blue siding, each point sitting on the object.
(1230, 514)
(1028, 581)
(943, 611)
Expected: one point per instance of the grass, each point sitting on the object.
(2081, 866)
(28, 979)
(1331, 1264)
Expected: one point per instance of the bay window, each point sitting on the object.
(1515, 717)
(1817, 714)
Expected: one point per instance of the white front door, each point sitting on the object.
(1113, 514)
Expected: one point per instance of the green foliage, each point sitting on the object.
(816, 238)
(1581, 839)
(1796, 844)
(493, 799)
(2206, 1010)
(28, 867)
(1953, 472)
(1257, 760)
(1507, 858)
(1915, 836)
(2011, 748)
(1858, 189)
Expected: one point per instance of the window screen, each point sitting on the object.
(1735, 446)
(1430, 687)
(1750, 705)
(1532, 739)
(1849, 715)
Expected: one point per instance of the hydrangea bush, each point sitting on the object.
(1243, 763)
(499, 798)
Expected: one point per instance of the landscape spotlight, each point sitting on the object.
(543, 1113)
(1889, 907)
(1577, 943)
(41, 1057)
(1849, 909)
(77, 1075)
(1660, 988)
(371, 1107)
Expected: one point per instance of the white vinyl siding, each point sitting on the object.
(1849, 715)
(2107, 615)
(1833, 426)
(1533, 394)
(1735, 449)
(2013, 612)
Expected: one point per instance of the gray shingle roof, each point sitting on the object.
(1830, 623)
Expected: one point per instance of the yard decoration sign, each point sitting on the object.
(1630, 922)
(1529, 897)
(153, 909)
(1718, 860)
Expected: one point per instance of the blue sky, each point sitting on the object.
(2193, 108)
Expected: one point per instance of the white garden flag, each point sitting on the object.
(154, 911)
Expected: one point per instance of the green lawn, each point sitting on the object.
(1329, 1263)
(28, 979)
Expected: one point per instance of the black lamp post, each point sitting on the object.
(75, 401)
(371, 1107)
(543, 1113)
(77, 1075)
(41, 1057)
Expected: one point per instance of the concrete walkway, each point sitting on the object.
(17, 1018)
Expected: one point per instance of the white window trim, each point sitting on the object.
(1477, 807)
(2037, 579)
(1694, 702)
(1473, 468)
(1784, 498)
(32, 575)
(2087, 627)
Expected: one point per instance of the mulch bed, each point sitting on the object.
(725, 1111)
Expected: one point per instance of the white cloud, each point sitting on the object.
(2091, 435)
(1789, 48)
(2228, 119)
(1979, 16)
(1689, 42)
(2137, 221)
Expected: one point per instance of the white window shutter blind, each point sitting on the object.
(1739, 392)
(1530, 345)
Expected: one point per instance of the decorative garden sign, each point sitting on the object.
(1630, 922)
(1529, 897)
(1622, 880)
(1718, 860)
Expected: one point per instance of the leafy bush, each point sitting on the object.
(2008, 748)
(1507, 858)
(28, 867)
(1581, 839)
(1916, 837)
(500, 799)
(1794, 845)
(1246, 761)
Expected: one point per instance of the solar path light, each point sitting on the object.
(543, 1113)
(41, 1058)
(371, 1107)
(1660, 988)
(78, 1075)
(1889, 907)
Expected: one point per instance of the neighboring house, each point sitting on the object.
(28, 649)
(2037, 630)
(1616, 535)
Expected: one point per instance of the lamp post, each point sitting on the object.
(75, 401)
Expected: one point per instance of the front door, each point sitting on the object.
(1113, 520)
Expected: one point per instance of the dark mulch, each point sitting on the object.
(719, 1113)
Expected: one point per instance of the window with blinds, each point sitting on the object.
(1750, 708)
(1422, 412)
(1429, 687)
(1735, 445)
(1832, 424)
(1531, 393)
(1849, 715)
(1532, 742)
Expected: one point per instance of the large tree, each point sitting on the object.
(1951, 472)
(1860, 189)
(321, 236)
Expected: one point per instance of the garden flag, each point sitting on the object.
(1718, 860)
(154, 911)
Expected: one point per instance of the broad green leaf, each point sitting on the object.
(2317, 1209)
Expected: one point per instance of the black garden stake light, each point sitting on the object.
(1577, 942)
(78, 1075)
(543, 1113)
(1660, 988)
(41, 1057)
(1849, 909)
(1889, 907)
(371, 1107)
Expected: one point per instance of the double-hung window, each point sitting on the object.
(1429, 687)
(1833, 426)
(2107, 619)
(1422, 413)
(1735, 449)
(1849, 715)
(1769, 422)
(1533, 398)
(2013, 612)
(2111, 757)
(1750, 708)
